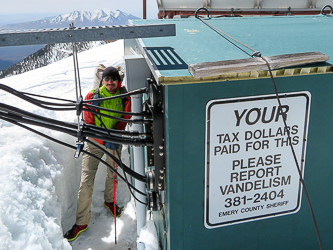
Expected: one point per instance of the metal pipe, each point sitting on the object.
(144, 9)
(139, 167)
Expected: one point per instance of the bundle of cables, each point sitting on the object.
(24, 118)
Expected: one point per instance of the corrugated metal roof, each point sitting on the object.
(197, 43)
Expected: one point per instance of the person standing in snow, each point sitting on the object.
(111, 86)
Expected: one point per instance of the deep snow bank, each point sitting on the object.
(39, 179)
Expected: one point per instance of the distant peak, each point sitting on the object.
(102, 17)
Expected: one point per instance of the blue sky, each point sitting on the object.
(12, 11)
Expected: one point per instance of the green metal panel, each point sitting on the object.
(185, 117)
(185, 129)
(195, 42)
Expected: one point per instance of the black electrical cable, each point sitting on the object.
(48, 97)
(127, 182)
(30, 99)
(21, 112)
(72, 132)
(135, 136)
(143, 121)
(117, 111)
(130, 136)
(74, 148)
(100, 119)
(117, 161)
(134, 92)
(73, 105)
(20, 119)
(116, 131)
(135, 142)
(143, 203)
(69, 128)
(34, 100)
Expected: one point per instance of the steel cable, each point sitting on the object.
(294, 154)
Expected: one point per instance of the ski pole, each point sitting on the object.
(114, 204)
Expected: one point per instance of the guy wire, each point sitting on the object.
(221, 33)
(294, 154)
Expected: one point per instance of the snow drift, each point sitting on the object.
(39, 179)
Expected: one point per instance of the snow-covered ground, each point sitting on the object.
(39, 179)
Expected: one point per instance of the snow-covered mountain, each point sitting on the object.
(49, 54)
(11, 55)
(104, 17)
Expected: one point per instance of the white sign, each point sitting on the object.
(250, 171)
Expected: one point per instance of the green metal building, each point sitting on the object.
(231, 180)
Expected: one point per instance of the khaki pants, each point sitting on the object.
(89, 169)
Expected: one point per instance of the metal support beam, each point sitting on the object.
(157, 110)
(69, 35)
